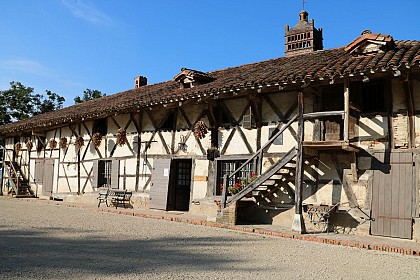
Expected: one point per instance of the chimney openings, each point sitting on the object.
(140, 81)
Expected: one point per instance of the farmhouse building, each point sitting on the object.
(290, 141)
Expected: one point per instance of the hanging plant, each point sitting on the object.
(63, 142)
(53, 144)
(80, 142)
(97, 139)
(18, 147)
(200, 130)
(29, 145)
(121, 136)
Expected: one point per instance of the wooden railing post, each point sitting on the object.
(346, 110)
(298, 224)
(224, 192)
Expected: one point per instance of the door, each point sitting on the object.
(180, 185)
(159, 184)
(392, 194)
(48, 177)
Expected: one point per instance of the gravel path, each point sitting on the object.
(40, 241)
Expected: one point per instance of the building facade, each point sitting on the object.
(281, 141)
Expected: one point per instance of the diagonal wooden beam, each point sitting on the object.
(90, 135)
(184, 115)
(241, 133)
(290, 111)
(88, 177)
(228, 141)
(274, 107)
(67, 179)
(229, 114)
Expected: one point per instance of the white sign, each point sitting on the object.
(166, 172)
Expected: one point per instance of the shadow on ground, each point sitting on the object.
(39, 254)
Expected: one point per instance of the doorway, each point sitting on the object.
(180, 185)
(171, 184)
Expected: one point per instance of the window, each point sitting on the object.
(369, 97)
(271, 132)
(227, 167)
(101, 126)
(104, 173)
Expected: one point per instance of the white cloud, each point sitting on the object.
(87, 12)
(27, 66)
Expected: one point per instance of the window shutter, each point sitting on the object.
(95, 174)
(39, 171)
(115, 173)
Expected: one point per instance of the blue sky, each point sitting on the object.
(67, 46)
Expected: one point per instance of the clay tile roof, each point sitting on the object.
(317, 65)
(368, 36)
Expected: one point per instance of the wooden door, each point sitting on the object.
(392, 194)
(159, 184)
(48, 177)
(180, 185)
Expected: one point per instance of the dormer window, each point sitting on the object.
(189, 78)
(369, 42)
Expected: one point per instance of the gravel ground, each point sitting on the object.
(40, 241)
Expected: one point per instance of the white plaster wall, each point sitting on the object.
(199, 188)
(373, 132)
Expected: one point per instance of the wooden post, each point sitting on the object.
(78, 163)
(2, 165)
(346, 109)
(408, 89)
(224, 192)
(298, 224)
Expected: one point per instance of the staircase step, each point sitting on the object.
(269, 182)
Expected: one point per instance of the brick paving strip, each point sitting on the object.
(405, 247)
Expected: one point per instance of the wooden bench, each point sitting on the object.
(116, 196)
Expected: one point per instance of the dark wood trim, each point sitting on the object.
(228, 140)
(90, 141)
(67, 179)
(408, 90)
(274, 107)
(300, 157)
(241, 133)
(184, 115)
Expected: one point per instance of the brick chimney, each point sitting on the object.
(140, 81)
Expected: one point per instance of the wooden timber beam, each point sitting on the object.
(408, 90)
(298, 224)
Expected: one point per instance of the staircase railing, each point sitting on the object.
(14, 175)
(257, 158)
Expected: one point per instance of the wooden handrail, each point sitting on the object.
(317, 115)
(271, 140)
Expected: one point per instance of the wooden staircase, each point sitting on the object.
(279, 175)
(17, 180)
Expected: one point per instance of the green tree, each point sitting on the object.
(52, 102)
(20, 102)
(88, 94)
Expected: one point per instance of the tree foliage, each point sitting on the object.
(88, 94)
(20, 102)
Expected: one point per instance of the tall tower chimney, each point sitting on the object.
(303, 37)
(140, 81)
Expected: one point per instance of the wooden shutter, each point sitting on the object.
(47, 184)
(160, 184)
(95, 174)
(115, 173)
(39, 170)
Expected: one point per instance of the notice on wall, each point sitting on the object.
(166, 172)
(400, 128)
